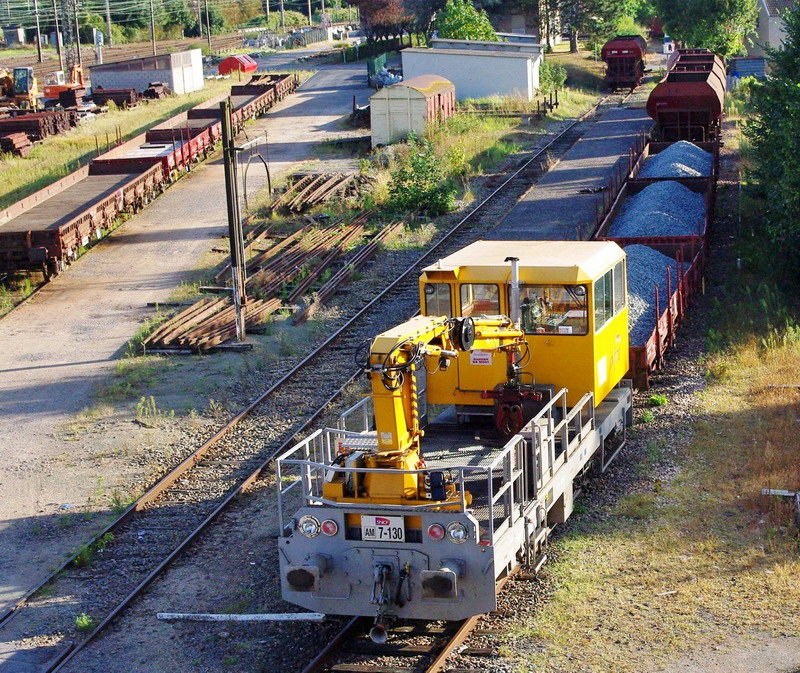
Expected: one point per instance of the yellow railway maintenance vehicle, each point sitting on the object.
(416, 516)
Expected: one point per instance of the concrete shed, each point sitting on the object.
(182, 72)
(478, 73)
(398, 109)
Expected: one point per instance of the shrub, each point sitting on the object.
(419, 182)
(84, 623)
(552, 76)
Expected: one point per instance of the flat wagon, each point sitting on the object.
(51, 234)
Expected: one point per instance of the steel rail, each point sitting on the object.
(440, 652)
(164, 483)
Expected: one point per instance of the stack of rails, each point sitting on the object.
(54, 232)
(39, 125)
(688, 103)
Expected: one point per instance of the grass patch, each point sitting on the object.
(84, 623)
(87, 552)
(131, 375)
(636, 505)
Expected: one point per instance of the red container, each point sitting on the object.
(237, 62)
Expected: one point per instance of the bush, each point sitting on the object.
(552, 77)
(419, 183)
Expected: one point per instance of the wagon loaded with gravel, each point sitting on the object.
(662, 216)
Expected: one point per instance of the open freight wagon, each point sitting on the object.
(682, 279)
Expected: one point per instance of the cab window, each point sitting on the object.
(554, 309)
(609, 295)
(479, 299)
(437, 299)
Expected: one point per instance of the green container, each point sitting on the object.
(374, 65)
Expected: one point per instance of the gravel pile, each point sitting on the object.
(681, 160)
(646, 267)
(662, 209)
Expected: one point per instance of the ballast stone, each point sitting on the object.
(646, 269)
(681, 160)
(661, 209)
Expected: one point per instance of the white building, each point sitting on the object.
(480, 71)
(182, 72)
(769, 27)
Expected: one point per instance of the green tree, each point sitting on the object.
(718, 25)
(461, 21)
(598, 19)
(775, 147)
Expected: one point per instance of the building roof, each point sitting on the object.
(555, 261)
(478, 53)
(777, 7)
(427, 84)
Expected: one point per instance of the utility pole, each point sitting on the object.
(283, 18)
(77, 33)
(234, 220)
(153, 27)
(58, 37)
(208, 27)
(108, 24)
(309, 13)
(38, 30)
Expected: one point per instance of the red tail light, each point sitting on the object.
(436, 531)
(330, 527)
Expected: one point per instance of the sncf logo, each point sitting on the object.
(380, 521)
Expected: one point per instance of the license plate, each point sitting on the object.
(383, 528)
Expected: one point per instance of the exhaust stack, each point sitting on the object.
(514, 303)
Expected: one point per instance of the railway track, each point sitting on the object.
(136, 547)
(416, 648)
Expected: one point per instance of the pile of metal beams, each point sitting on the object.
(38, 125)
(279, 276)
(354, 263)
(206, 324)
(122, 98)
(316, 188)
(17, 144)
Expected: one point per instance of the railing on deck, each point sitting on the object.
(554, 434)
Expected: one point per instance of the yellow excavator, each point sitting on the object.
(396, 360)
(19, 89)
